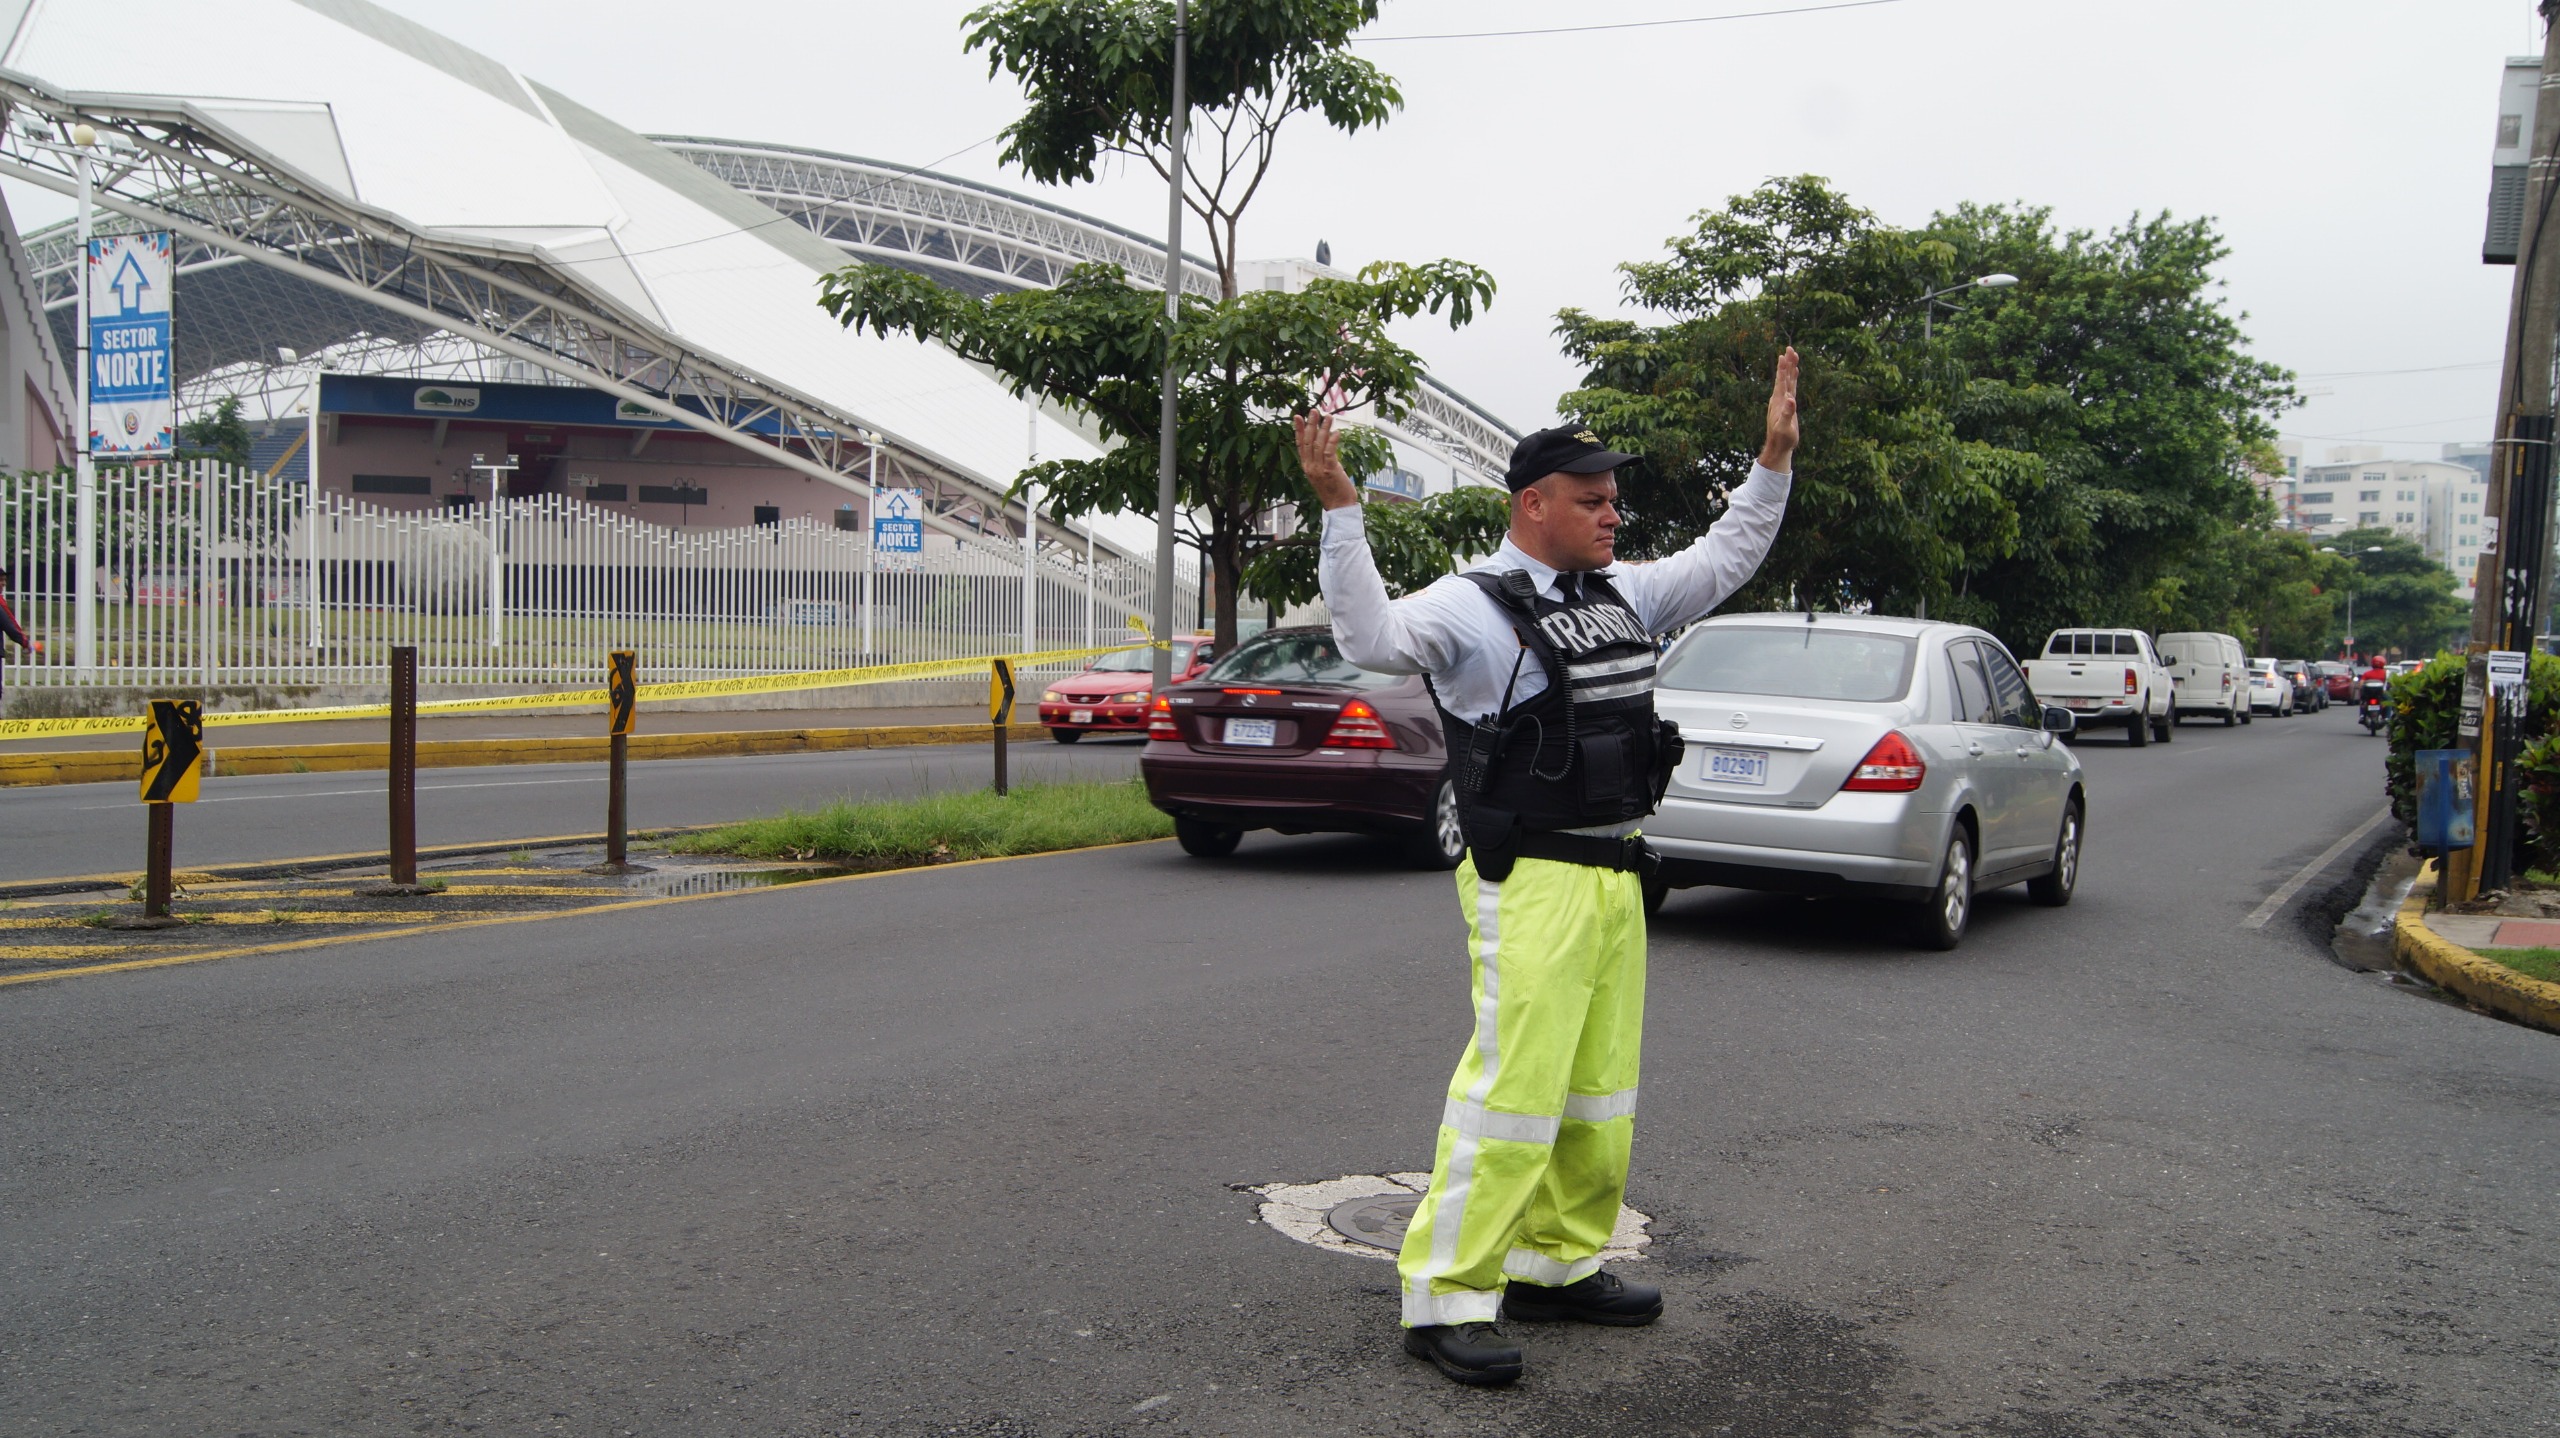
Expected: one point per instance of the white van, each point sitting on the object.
(2208, 674)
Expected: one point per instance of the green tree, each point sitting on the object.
(221, 434)
(2040, 456)
(2161, 411)
(1246, 365)
(1099, 77)
(2405, 601)
(1891, 503)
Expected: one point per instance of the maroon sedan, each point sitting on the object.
(1111, 697)
(1285, 734)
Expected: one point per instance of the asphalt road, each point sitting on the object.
(958, 1151)
(68, 829)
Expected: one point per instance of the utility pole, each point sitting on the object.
(1172, 374)
(2508, 583)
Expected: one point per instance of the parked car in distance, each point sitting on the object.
(1285, 734)
(2269, 691)
(2337, 680)
(2208, 674)
(2107, 677)
(2309, 695)
(1857, 754)
(1111, 697)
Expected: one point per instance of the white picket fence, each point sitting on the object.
(210, 577)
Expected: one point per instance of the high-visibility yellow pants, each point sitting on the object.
(1532, 1160)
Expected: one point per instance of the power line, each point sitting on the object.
(2422, 369)
(1622, 25)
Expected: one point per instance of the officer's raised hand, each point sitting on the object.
(1778, 450)
(1320, 456)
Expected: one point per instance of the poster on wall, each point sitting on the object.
(133, 402)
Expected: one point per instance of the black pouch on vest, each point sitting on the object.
(1667, 747)
(1493, 839)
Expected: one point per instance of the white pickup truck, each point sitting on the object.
(2106, 676)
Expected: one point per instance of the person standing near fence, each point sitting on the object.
(10, 629)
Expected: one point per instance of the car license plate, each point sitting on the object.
(1735, 766)
(1262, 732)
(1079, 716)
(2088, 703)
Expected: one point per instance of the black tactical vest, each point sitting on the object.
(1584, 751)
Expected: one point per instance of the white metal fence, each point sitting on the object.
(210, 577)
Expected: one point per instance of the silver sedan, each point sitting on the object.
(1851, 754)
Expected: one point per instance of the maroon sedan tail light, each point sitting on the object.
(1160, 720)
(1358, 727)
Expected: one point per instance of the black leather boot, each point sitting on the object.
(1601, 1298)
(1475, 1353)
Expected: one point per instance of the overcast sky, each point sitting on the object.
(2341, 145)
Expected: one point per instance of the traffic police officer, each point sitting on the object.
(1541, 659)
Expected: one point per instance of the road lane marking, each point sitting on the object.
(2258, 917)
(172, 960)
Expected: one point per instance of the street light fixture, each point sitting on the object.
(1934, 298)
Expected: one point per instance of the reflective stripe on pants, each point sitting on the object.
(1532, 1158)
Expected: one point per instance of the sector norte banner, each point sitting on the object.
(133, 402)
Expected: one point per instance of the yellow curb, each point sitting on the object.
(301, 945)
(2486, 982)
(96, 766)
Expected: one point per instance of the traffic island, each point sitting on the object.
(53, 935)
(2461, 954)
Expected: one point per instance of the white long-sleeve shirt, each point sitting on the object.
(1455, 633)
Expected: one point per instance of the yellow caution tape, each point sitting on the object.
(575, 698)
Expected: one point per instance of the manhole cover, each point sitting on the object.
(1365, 1215)
(1378, 1220)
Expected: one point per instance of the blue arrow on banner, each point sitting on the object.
(129, 284)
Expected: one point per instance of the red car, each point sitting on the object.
(2339, 679)
(1111, 697)
(1285, 734)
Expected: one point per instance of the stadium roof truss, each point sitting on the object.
(428, 297)
(982, 239)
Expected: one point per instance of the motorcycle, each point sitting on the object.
(2373, 706)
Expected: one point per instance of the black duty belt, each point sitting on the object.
(1628, 854)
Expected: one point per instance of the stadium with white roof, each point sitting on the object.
(398, 252)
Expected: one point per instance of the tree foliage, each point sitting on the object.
(1099, 76)
(219, 434)
(1246, 365)
(2404, 600)
(2022, 458)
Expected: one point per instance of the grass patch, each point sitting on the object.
(2537, 963)
(1034, 819)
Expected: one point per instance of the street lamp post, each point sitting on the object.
(1169, 417)
(2351, 595)
(1929, 303)
(84, 584)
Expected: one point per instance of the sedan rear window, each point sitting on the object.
(1293, 659)
(1803, 661)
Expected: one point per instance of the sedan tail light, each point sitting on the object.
(1160, 720)
(2131, 682)
(1891, 767)
(1358, 727)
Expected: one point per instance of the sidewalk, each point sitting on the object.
(2445, 949)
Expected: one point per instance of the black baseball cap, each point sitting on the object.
(1565, 449)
